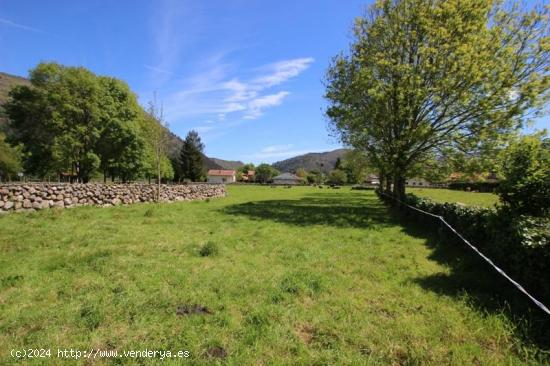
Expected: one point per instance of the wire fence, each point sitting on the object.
(485, 258)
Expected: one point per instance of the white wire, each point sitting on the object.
(517, 285)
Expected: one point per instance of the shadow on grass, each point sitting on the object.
(331, 209)
(475, 279)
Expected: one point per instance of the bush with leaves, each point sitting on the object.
(526, 171)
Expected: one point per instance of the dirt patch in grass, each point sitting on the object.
(216, 352)
(306, 333)
(192, 309)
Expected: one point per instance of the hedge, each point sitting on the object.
(520, 245)
(474, 186)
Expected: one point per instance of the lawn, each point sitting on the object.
(302, 276)
(449, 195)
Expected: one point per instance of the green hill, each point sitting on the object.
(7, 82)
(323, 161)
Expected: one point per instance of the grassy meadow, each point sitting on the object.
(448, 195)
(297, 276)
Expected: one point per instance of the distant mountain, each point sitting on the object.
(228, 164)
(8, 81)
(313, 161)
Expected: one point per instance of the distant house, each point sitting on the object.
(372, 179)
(418, 182)
(221, 176)
(287, 178)
(248, 176)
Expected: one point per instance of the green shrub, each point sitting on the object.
(209, 249)
(526, 170)
(337, 177)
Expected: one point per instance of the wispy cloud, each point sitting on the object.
(257, 105)
(159, 70)
(277, 152)
(280, 72)
(276, 148)
(9, 23)
(216, 92)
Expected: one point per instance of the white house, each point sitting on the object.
(372, 179)
(418, 182)
(221, 176)
(286, 178)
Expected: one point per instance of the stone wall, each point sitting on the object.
(38, 196)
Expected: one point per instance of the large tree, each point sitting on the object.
(121, 146)
(10, 159)
(426, 74)
(265, 172)
(69, 120)
(191, 157)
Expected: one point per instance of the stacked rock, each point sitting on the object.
(38, 196)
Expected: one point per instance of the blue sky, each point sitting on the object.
(247, 75)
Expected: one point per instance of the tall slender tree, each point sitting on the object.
(191, 157)
(157, 130)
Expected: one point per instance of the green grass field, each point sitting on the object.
(448, 195)
(301, 276)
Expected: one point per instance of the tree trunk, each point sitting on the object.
(158, 172)
(399, 187)
(381, 182)
(388, 184)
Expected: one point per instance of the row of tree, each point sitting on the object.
(74, 124)
(352, 168)
(426, 81)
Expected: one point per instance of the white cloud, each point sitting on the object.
(284, 70)
(214, 93)
(276, 148)
(256, 106)
(278, 152)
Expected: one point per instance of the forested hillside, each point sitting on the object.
(324, 161)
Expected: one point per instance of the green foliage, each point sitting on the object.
(209, 249)
(70, 120)
(526, 170)
(315, 177)
(301, 173)
(10, 159)
(156, 135)
(356, 165)
(191, 157)
(422, 75)
(265, 172)
(337, 177)
(121, 146)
